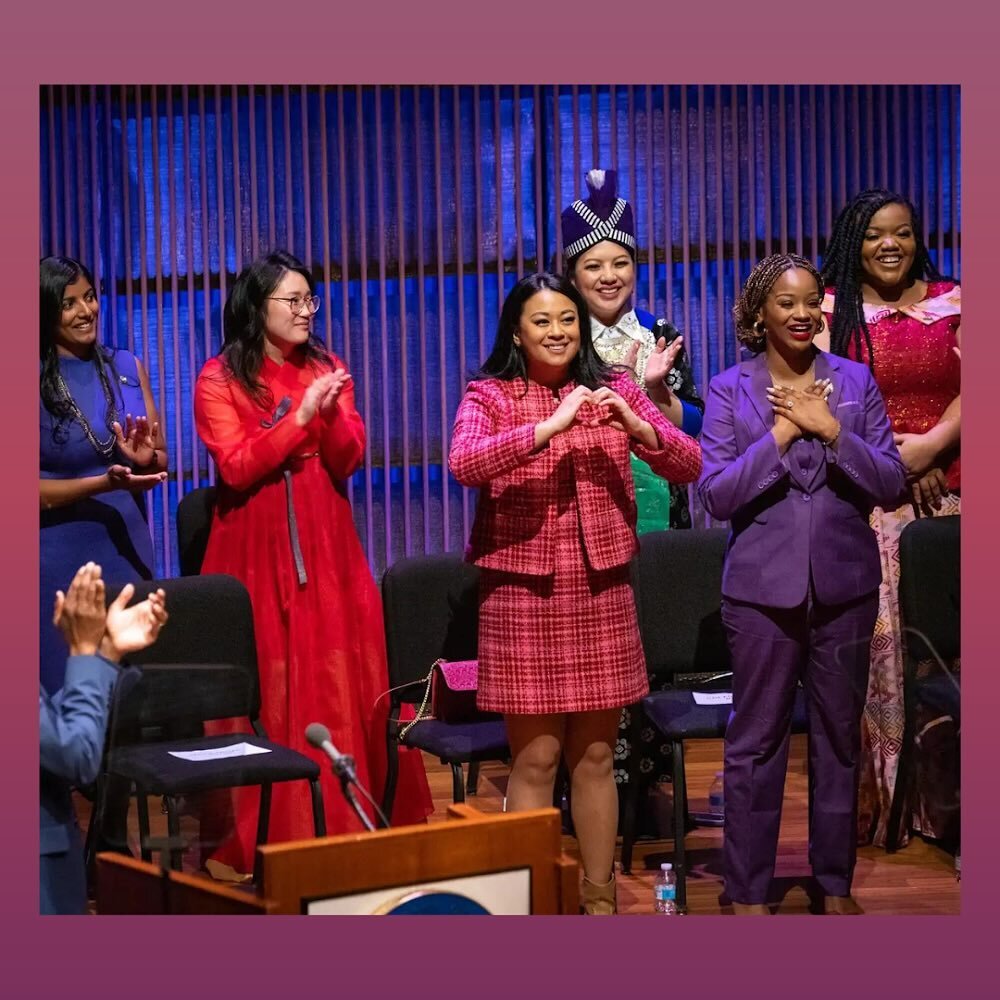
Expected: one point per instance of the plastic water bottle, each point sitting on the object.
(716, 797)
(665, 891)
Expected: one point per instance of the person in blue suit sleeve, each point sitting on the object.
(72, 722)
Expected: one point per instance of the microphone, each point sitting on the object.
(343, 767)
(343, 764)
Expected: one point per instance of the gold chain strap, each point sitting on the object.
(420, 716)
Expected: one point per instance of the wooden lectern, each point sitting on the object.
(496, 863)
(469, 851)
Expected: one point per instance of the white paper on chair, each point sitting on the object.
(713, 697)
(236, 750)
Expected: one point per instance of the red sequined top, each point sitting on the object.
(916, 369)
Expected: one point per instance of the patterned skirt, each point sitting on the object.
(568, 642)
(935, 807)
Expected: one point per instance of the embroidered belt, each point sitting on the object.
(293, 527)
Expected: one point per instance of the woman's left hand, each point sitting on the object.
(614, 411)
(660, 362)
(807, 409)
(137, 440)
(917, 451)
(328, 403)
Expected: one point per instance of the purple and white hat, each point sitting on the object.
(602, 216)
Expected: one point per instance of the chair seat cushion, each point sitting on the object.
(458, 744)
(153, 769)
(678, 717)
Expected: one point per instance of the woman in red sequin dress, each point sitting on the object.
(887, 305)
(277, 413)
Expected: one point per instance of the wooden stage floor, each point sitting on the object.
(919, 879)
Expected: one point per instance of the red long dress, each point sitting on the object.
(320, 643)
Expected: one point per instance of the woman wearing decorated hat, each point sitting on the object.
(598, 242)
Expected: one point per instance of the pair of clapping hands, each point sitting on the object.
(321, 397)
(89, 626)
(136, 442)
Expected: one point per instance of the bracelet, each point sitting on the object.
(833, 440)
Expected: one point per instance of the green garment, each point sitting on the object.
(652, 498)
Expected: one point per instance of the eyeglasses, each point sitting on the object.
(310, 303)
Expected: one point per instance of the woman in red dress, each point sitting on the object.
(888, 306)
(545, 431)
(276, 411)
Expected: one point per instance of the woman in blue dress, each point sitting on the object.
(101, 448)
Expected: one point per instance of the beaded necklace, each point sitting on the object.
(104, 448)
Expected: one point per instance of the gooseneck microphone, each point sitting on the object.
(319, 736)
(343, 767)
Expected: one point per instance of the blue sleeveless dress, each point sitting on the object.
(109, 528)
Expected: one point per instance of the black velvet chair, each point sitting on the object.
(678, 582)
(202, 667)
(929, 606)
(431, 610)
(194, 521)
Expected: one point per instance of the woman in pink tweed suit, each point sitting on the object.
(545, 432)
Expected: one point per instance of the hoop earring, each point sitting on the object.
(760, 328)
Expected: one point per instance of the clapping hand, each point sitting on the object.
(137, 441)
(660, 364)
(121, 477)
(80, 612)
(328, 404)
(135, 628)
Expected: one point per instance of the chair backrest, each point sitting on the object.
(930, 586)
(194, 521)
(431, 609)
(204, 663)
(678, 576)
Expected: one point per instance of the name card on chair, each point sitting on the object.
(713, 697)
(236, 750)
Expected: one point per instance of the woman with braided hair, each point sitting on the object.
(888, 307)
(797, 450)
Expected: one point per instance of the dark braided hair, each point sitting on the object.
(243, 323)
(842, 267)
(55, 275)
(756, 290)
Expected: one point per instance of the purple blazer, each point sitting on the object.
(805, 512)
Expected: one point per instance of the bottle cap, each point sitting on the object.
(666, 866)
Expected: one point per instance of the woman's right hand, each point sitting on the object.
(566, 412)
(121, 477)
(313, 398)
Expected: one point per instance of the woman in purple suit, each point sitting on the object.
(797, 450)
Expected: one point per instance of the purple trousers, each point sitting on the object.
(827, 648)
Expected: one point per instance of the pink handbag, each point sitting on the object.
(451, 691)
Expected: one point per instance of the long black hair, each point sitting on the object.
(54, 275)
(243, 323)
(506, 361)
(842, 267)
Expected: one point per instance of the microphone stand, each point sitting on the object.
(343, 768)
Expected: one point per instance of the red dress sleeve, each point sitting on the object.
(244, 455)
